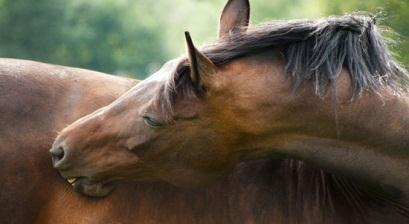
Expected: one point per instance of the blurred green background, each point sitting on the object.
(134, 37)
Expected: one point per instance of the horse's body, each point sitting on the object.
(32, 192)
(38, 99)
(282, 89)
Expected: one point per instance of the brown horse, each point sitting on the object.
(38, 99)
(283, 89)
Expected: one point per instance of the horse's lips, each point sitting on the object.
(98, 189)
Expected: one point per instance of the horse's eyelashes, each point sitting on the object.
(152, 122)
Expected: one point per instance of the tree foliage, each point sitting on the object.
(102, 35)
(136, 36)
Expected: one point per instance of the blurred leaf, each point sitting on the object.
(136, 36)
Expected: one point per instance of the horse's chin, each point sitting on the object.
(93, 189)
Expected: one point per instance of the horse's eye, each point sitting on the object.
(152, 122)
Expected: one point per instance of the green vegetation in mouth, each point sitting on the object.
(72, 180)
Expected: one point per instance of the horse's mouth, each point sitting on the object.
(91, 188)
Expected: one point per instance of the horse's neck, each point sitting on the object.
(387, 172)
(367, 139)
(379, 122)
(371, 142)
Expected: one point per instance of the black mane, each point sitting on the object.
(314, 51)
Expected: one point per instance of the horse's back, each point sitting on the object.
(28, 89)
(37, 100)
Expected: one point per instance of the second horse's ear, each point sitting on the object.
(235, 14)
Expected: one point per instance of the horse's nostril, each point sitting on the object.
(57, 154)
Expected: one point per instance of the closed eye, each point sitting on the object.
(152, 122)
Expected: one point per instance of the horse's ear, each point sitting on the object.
(235, 14)
(202, 68)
